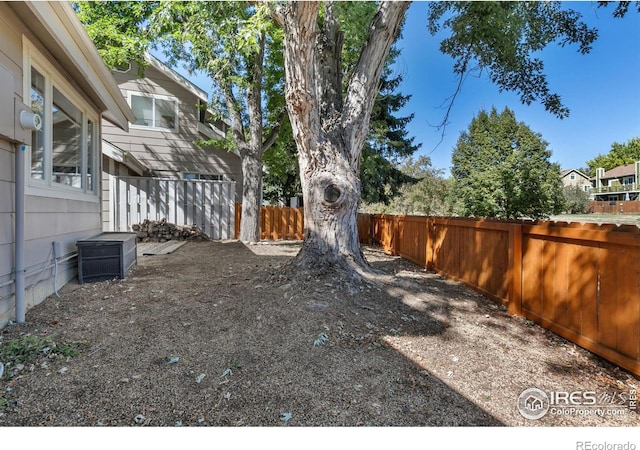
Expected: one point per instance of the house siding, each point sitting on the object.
(48, 217)
(166, 153)
(110, 169)
(620, 183)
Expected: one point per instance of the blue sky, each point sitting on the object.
(602, 90)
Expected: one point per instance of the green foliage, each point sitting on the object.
(223, 39)
(354, 18)
(381, 179)
(502, 39)
(235, 43)
(502, 169)
(117, 29)
(619, 155)
(576, 200)
(388, 141)
(281, 179)
(29, 348)
(427, 192)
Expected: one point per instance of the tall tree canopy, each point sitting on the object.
(330, 110)
(235, 43)
(329, 107)
(388, 143)
(619, 155)
(502, 39)
(502, 169)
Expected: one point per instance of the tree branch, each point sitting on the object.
(254, 97)
(275, 130)
(300, 34)
(237, 127)
(363, 84)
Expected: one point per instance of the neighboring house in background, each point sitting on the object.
(618, 184)
(49, 188)
(170, 118)
(573, 177)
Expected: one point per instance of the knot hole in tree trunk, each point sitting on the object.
(331, 194)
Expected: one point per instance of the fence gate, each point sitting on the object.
(208, 204)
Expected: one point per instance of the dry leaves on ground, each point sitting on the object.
(212, 335)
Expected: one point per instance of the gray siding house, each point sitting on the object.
(171, 119)
(49, 183)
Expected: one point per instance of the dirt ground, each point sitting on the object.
(212, 335)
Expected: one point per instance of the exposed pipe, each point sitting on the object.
(30, 273)
(19, 233)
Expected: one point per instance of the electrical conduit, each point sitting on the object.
(19, 233)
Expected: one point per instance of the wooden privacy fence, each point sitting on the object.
(615, 207)
(581, 281)
(277, 223)
(207, 204)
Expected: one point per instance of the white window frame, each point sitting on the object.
(32, 57)
(156, 97)
(199, 176)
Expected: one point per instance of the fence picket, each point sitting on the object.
(182, 202)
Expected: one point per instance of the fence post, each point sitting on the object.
(515, 270)
(238, 216)
(396, 236)
(429, 244)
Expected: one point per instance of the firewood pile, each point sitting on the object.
(162, 231)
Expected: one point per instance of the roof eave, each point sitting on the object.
(176, 77)
(59, 20)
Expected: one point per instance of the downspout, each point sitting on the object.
(19, 233)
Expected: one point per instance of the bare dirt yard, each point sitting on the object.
(212, 335)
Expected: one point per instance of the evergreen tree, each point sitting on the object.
(502, 169)
(387, 144)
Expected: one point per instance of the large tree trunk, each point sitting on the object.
(330, 126)
(251, 197)
(331, 189)
(249, 141)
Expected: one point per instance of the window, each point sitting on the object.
(573, 176)
(67, 141)
(38, 101)
(157, 112)
(203, 176)
(63, 151)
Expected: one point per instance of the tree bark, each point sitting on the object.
(330, 127)
(251, 197)
(249, 141)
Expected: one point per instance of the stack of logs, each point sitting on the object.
(162, 231)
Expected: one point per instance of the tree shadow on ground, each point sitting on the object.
(257, 350)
